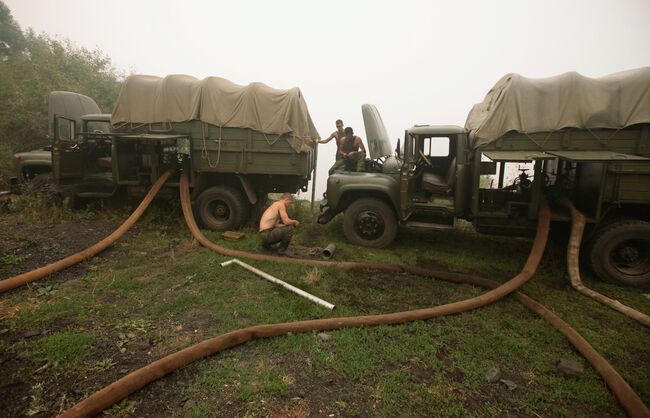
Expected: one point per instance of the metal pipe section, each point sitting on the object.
(275, 280)
(313, 183)
(328, 252)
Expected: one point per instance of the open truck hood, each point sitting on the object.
(377, 137)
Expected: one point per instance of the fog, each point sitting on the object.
(419, 62)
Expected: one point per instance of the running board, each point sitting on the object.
(426, 225)
(96, 194)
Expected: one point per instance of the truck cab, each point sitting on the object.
(67, 108)
(82, 156)
(421, 184)
(433, 175)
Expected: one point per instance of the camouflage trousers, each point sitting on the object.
(281, 235)
(356, 163)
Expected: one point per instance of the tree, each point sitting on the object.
(33, 65)
(11, 37)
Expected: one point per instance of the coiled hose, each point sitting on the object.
(137, 379)
(573, 266)
(39, 273)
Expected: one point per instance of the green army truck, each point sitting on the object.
(568, 136)
(36, 166)
(238, 143)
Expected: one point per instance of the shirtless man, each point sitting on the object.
(338, 134)
(276, 226)
(352, 152)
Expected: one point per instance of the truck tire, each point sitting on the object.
(73, 202)
(222, 208)
(370, 222)
(40, 182)
(620, 252)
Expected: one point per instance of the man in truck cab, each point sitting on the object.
(338, 134)
(352, 152)
(275, 225)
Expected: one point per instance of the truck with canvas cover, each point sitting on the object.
(238, 143)
(569, 136)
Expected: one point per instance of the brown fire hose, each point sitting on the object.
(156, 370)
(573, 266)
(39, 273)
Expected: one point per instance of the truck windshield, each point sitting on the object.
(96, 126)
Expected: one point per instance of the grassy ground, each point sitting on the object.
(156, 292)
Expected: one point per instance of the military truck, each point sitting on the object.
(238, 143)
(35, 166)
(573, 137)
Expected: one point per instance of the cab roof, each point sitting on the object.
(97, 117)
(436, 130)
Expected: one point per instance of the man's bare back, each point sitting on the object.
(276, 215)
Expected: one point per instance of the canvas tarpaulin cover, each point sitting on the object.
(214, 100)
(568, 100)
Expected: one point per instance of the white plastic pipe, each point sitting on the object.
(275, 280)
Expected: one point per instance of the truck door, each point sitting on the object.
(407, 173)
(67, 157)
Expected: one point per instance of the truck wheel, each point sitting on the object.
(221, 208)
(370, 222)
(620, 252)
(40, 182)
(73, 202)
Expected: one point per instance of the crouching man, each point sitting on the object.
(276, 228)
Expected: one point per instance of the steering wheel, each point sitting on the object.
(425, 158)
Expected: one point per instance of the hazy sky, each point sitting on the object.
(417, 61)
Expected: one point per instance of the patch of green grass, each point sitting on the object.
(225, 372)
(65, 348)
(202, 410)
(55, 310)
(125, 408)
(273, 384)
(13, 259)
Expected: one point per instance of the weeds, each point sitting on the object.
(64, 348)
(13, 259)
(126, 408)
(103, 365)
(36, 404)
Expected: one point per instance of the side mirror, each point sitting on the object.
(397, 149)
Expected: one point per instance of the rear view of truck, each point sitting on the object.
(238, 143)
(576, 138)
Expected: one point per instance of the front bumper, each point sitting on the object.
(326, 212)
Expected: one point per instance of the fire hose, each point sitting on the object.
(137, 379)
(573, 266)
(39, 273)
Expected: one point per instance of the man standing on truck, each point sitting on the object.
(276, 226)
(338, 134)
(352, 152)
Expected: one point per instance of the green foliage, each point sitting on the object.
(33, 65)
(126, 408)
(64, 348)
(11, 37)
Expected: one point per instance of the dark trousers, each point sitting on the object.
(356, 163)
(280, 235)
